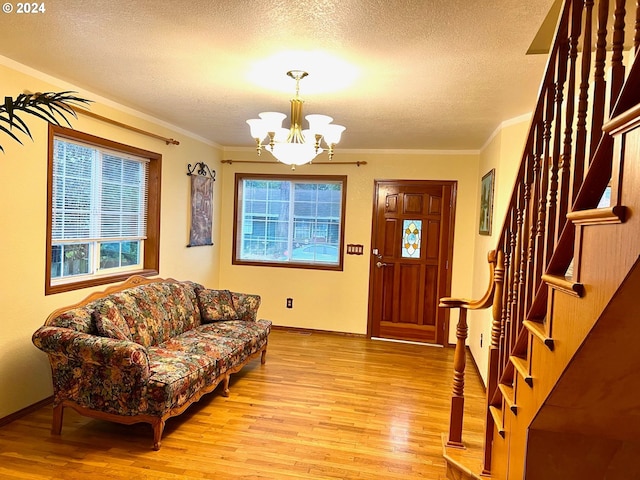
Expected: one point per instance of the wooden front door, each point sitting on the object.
(410, 259)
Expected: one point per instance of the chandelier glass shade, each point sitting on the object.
(295, 146)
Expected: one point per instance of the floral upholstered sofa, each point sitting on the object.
(144, 350)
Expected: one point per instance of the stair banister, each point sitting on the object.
(492, 297)
(565, 167)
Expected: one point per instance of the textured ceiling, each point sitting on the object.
(399, 74)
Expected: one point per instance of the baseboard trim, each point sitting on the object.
(25, 411)
(475, 366)
(309, 331)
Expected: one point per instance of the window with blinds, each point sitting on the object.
(98, 211)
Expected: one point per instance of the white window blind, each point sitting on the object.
(97, 194)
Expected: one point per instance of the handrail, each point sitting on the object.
(487, 298)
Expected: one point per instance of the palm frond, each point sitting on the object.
(52, 107)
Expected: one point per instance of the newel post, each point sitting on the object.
(457, 397)
(460, 355)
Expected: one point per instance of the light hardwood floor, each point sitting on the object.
(323, 407)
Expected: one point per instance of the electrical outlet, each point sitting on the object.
(289, 302)
(480, 340)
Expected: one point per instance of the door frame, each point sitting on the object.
(444, 271)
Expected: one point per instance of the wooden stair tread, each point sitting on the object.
(599, 216)
(563, 284)
(496, 398)
(538, 331)
(522, 343)
(520, 364)
(509, 395)
(496, 413)
(466, 463)
(507, 374)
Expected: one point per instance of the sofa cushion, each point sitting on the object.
(156, 312)
(246, 305)
(109, 321)
(216, 305)
(246, 338)
(184, 365)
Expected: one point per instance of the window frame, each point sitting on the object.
(237, 236)
(151, 250)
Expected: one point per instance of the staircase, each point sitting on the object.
(562, 396)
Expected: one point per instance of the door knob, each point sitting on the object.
(381, 264)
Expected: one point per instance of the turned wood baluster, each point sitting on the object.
(513, 287)
(617, 46)
(494, 354)
(534, 280)
(552, 211)
(457, 397)
(503, 354)
(547, 154)
(508, 281)
(636, 36)
(541, 222)
(508, 319)
(599, 83)
(504, 315)
(583, 101)
(496, 308)
(564, 186)
(523, 236)
(576, 32)
(529, 232)
(539, 250)
(517, 263)
(555, 222)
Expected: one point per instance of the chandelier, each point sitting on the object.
(295, 146)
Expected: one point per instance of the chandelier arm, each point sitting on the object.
(272, 142)
(295, 149)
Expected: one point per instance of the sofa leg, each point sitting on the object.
(225, 386)
(56, 423)
(263, 357)
(158, 428)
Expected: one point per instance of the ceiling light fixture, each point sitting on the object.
(295, 146)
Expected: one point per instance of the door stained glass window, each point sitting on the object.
(411, 235)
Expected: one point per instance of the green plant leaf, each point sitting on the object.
(11, 134)
(52, 107)
(17, 124)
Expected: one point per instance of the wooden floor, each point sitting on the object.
(323, 407)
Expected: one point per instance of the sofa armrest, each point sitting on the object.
(83, 348)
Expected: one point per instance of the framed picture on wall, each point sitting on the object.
(202, 179)
(486, 202)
